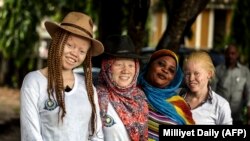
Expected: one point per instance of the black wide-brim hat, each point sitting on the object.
(79, 24)
(121, 46)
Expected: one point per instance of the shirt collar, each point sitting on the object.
(210, 94)
(184, 91)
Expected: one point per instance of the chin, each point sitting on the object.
(193, 89)
(123, 84)
(159, 85)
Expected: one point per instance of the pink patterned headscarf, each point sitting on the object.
(129, 102)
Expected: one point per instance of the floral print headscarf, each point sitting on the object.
(129, 102)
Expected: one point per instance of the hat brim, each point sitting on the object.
(132, 56)
(97, 47)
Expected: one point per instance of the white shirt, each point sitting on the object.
(215, 111)
(41, 123)
(114, 129)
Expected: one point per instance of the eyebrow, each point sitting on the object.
(166, 62)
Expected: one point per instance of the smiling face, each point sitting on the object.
(161, 71)
(75, 51)
(196, 76)
(123, 71)
(198, 71)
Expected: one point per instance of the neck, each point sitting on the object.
(201, 95)
(231, 65)
(194, 99)
(68, 79)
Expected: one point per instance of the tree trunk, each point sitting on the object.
(3, 70)
(110, 18)
(137, 21)
(110, 22)
(181, 16)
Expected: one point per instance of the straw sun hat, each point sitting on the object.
(79, 24)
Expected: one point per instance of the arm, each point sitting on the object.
(29, 113)
(247, 94)
(98, 136)
(225, 117)
(248, 114)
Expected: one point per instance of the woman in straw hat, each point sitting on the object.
(57, 104)
(123, 107)
(160, 79)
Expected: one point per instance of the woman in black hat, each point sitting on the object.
(56, 103)
(122, 104)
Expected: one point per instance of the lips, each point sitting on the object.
(71, 60)
(124, 77)
(192, 85)
(161, 76)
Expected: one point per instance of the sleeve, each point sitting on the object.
(225, 117)
(247, 88)
(247, 94)
(29, 113)
(98, 136)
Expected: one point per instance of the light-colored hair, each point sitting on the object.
(55, 78)
(204, 58)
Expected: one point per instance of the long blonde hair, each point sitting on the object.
(55, 78)
(204, 58)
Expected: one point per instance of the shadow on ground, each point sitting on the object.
(9, 114)
(10, 131)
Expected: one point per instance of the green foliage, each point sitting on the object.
(18, 29)
(19, 20)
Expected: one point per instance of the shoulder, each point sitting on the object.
(178, 101)
(31, 74)
(34, 82)
(33, 77)
(243, 67)
(79, 76)
(140, 93)
(80, 79)
(181, 92)
(219, 100)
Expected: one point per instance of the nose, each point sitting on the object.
(164, 69)
(190, 77)
(125, 68)
(74, 51)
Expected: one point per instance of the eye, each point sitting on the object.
(68, 45)
(187, 74)
(196, 74)
(118, 64)
(161, 64)
(131, 65)
(82, 52)
(172, 70)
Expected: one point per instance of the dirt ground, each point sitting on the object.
(9, 114)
